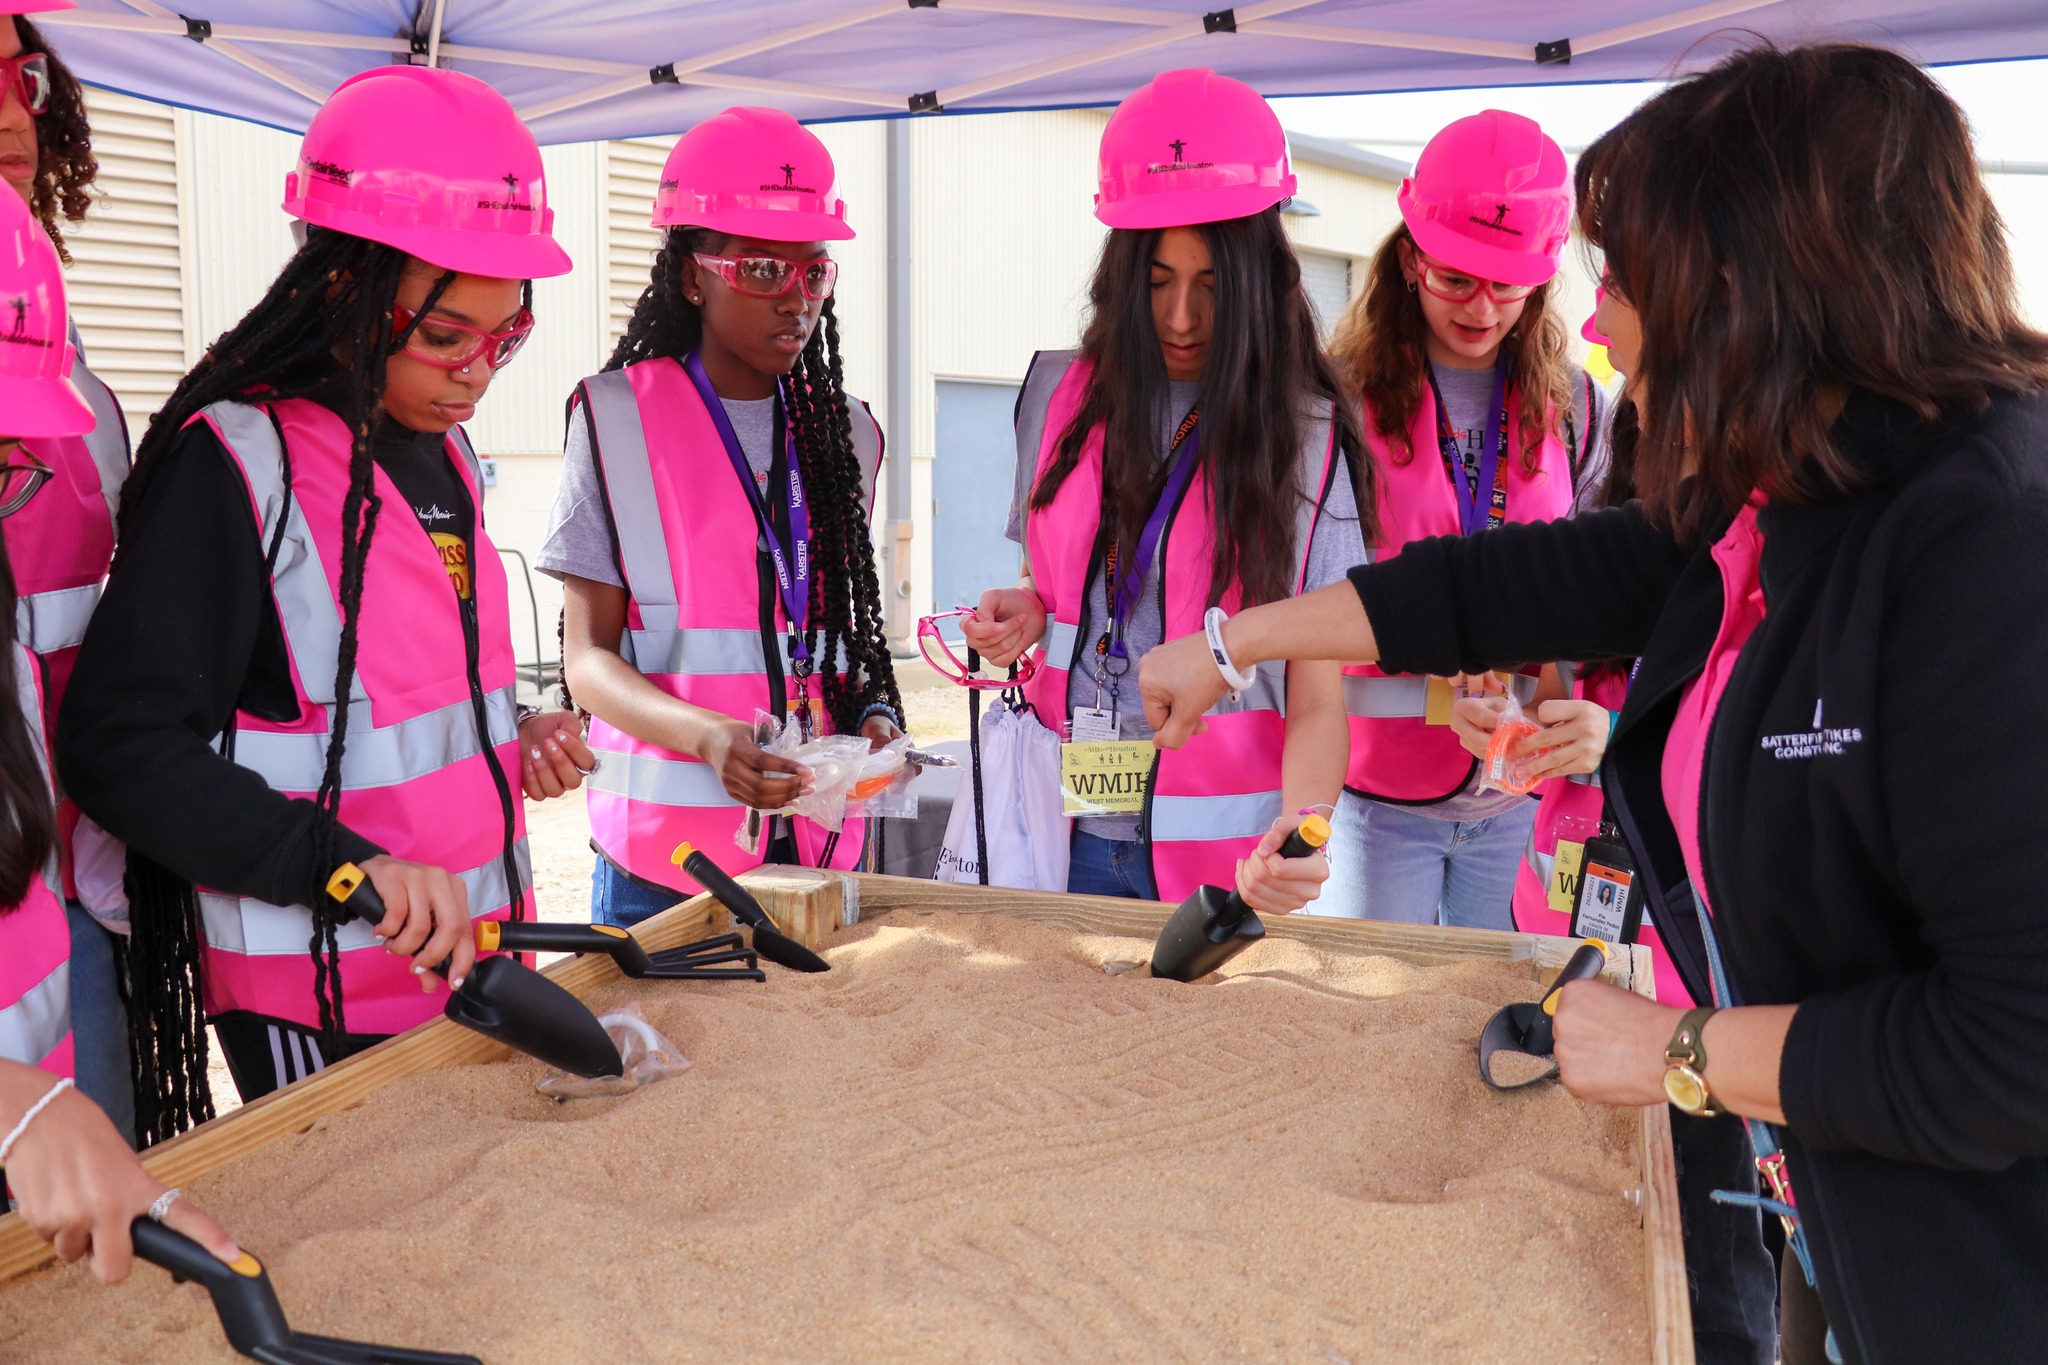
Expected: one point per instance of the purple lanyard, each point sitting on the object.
(1475, 509)
(795, 585)
(1131, 584)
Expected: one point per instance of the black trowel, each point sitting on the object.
(1213, 925)
(1525, 1028)
(505, 999)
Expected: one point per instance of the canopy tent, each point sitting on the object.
(588, 69)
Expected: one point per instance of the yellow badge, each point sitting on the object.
(455, 559)
(1438, 696)
(1106, 777)
(1564, 876)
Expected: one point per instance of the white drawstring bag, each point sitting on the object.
(1027, 830)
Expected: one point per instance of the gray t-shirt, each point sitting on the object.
(1335, 546)
(1467, 394)
(579, 537)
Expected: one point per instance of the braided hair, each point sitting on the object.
(65, 166)
(336, 296)
(28, 824)
(846, 599)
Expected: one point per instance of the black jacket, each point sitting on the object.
(1873, 830)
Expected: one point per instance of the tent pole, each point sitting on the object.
(896, 577)
(434, 34)
(1650, 28)
(236, 54)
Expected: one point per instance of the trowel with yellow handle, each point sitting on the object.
(504, 999)
(250, 1314)
(723, 958)
(1213, 925)
(1524, 1030)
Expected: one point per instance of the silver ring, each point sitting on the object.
(162, 1204)
(591, 771)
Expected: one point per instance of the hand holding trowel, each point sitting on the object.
(1213, 925)
(505, 999)
(1525, 1030)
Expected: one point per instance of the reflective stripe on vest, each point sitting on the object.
(35, 940)
(688, 549)
(49, 621)
(1214, 798)
(1378, 696)
(379, 756)
(237, 924)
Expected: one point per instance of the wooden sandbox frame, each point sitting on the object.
(808, 906)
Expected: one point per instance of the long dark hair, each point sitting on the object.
(65, 166)
(846, 597)
(336, 294)
(28, 823)
(1787, 225)
(1381, 345)
(1264, 368)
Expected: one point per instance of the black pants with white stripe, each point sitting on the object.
(265, 1054)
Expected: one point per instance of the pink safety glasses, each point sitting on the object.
(948, 665)
(1455, 286)
(453, 346)
(771, 277)
(29, 77)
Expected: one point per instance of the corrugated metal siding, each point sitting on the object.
(127, 280)
(631, 172)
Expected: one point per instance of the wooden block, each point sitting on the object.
(804, 902)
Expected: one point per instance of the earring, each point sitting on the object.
(1411, 286)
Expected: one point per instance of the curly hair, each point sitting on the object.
(846, 599)
(65, 166)
(1381, 345)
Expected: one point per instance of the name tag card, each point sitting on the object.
(1106, 778)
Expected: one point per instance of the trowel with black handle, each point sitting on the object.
(1526, 1029)
(504, 999)
(250, 1314)
(769, 941)
(1213, 925)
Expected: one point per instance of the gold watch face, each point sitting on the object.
(1684, 1088)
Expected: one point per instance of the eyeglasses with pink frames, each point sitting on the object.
(455, 346)
(1455, 286)
(29, 77)
(948, 665)
(772, 277)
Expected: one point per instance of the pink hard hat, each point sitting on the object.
(1491, 197)
(35, 6)
(434, 163)
(36, 394)
(1590, 329)
(752, 173)
(1191, 147)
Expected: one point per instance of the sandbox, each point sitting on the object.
(965, 1142)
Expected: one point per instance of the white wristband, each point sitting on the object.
(7, 1143)
(1212, 626)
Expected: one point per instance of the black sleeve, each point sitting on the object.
(1587, 588)
(185, 622)
(1944, 1066)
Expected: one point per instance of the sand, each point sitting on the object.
(967, 1142)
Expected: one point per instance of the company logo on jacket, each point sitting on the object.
(1820, 741)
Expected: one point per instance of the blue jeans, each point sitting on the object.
(99, 1022)
(1111, 867)
(1389, 863)
(621, 902)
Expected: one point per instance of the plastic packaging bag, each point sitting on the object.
(1503, 772)
(648, 1054)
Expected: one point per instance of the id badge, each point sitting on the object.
(1438, 697)
(1610, 904)
(1572, 833)
(1093, 725)
(1106, 778)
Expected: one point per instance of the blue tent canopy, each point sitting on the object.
(587, 69)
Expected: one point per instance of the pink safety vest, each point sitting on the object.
(35, 941)
(59, 547)
(1212, 800)
(689, 549)
(1394, 756)
(414, 777)
(1580, 796)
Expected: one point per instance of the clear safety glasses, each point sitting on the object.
(1456, 287)
(948, 665)
(29, 77)
(20, 477)
(453, 346)
(771, 277)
